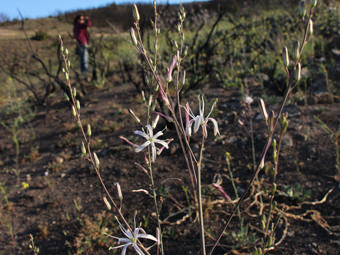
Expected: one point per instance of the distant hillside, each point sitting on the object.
(121, 15)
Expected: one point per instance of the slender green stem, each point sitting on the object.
(199, 196)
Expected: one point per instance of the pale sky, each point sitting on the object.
(44, 8)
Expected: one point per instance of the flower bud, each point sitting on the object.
(314, 3)
(284, 124)
(298, 72)
(274, 188)
(296, 50)
(143, 96)
(107, 203)
(285, 56)
(302, 9)
(74, 112)
(185, 51)
(133, 36)
(274, 144)
(263, 222)
(150, 100)
(154, 123)
(74, 92)
(66, 97)
(83, 149)
(183, 77)
(88, 131)
(67, 77)
(135, 13)
(119, 191)
(134, 116)
(263, 109)
(96, 160)
(310, 27)
(78, 105)
(66, 52)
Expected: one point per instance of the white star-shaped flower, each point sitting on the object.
(151, 140)
(200, 120)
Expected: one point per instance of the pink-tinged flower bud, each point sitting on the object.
(298, 72)
(296, 50)
(285, 56)
(107, 203)
(314, 3)
(96, 160)
(302, 9)
(135, 13)
(133, 36)
(310, 27)
(171, 68)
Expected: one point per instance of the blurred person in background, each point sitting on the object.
(81, 34)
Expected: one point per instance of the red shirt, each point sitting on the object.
(80, 32)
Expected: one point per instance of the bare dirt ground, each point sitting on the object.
(62, 205)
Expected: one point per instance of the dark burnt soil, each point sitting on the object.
(63, 209)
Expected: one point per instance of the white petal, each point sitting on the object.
(188, 130)
(150, 131)
(158, 134)
(148, 236)
(165, 144)
(216, 131)
(124, 249)
(141, 147)
(119, 246)
(153, 152)
(198, 121)
(137, 249)
(212, 108)
(154, 123)
(141, 133)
